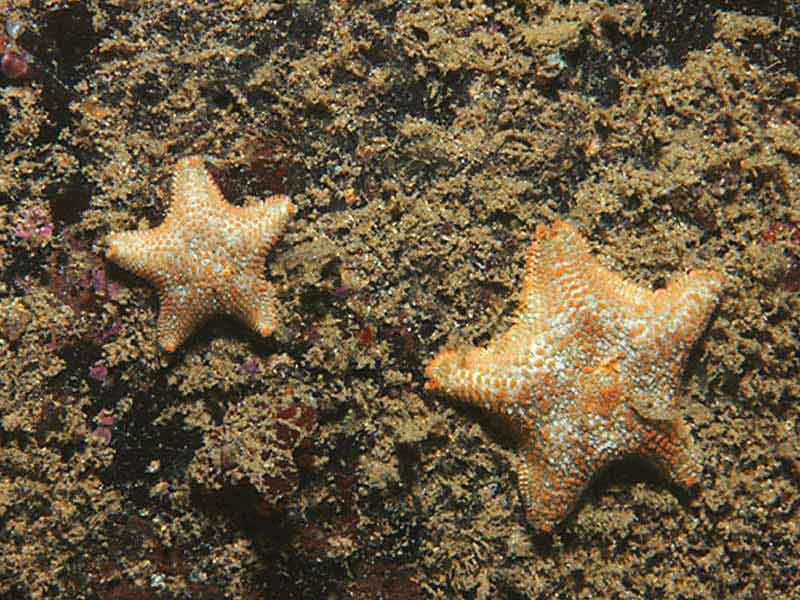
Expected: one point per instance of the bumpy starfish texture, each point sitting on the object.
(207, 257)
(590, 371)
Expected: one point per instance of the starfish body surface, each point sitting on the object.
(207, 257)
(590, 372)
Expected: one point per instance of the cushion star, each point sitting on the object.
(207, 257)
(590, 371)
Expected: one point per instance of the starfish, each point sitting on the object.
(590, 371)
(207, 257)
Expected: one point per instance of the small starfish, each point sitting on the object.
(207, 257)
(589, 373)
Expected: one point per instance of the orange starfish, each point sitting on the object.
(589, 373)
(207, 257)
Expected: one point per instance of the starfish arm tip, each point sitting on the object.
(714, 280)
(168, 338)
(285, 201)
(437, 365)
(121, 249)
(192, 161)
(261, 316)
(111, 248)
(113, 241)
(285, 207)
(547, 500)
(178, 319)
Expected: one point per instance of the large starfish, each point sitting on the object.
(590, 372)
(207, 257)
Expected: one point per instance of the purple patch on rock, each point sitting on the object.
(98, 372)
(251, 366)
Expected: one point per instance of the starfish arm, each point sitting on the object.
(256, 228)
(147, 254)
(253, 302)
(194, 192)
(510, 376)
(555, 275)
(267, 222)
(252, 298)
(547, 495)
(680, 314)
(473, 375)
(671, 447)
(183, 308)
(687, 304)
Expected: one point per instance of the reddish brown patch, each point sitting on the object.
(275, 487)
(313, 540)
(344, 482)
(270, 168)
(778, 229)
(125, 591)
(14, 64)
(790, 231)
(297, 419)
(385, 582)
(365, 336)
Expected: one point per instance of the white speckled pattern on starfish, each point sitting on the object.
(590, 371)
(207, 257)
